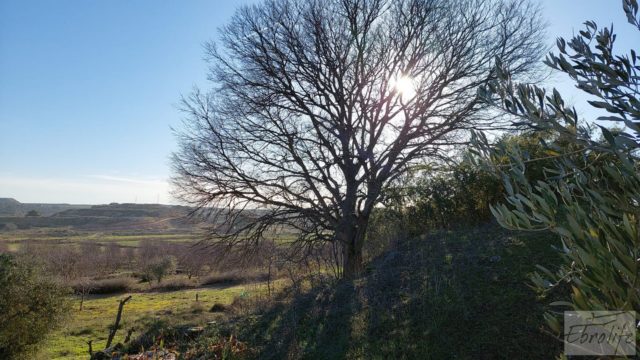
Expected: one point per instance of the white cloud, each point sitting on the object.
(125, 179)
(93, 189)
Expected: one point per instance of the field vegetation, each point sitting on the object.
(179, 308)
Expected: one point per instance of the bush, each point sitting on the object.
(217, 307)
(32, 213)
(452, 197)
(386, 228)
(158, 330)
(173, 284)
(237, 277)
(223, 278)
(105, 286)
(163, 334)
(161, 267)
(456, 196)
(10, 227)
(31, 306)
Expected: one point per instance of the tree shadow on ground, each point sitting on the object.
(449, 295)
(314, 324)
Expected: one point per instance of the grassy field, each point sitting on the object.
(179, 307)
(54, 236)
(146, 306)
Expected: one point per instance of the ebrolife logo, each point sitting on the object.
(600, 333)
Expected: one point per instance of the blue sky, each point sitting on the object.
(88, 89)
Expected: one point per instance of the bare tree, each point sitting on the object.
(82, 287)
(193, 259)
(112, 257)
(317, 106)
(63, 261)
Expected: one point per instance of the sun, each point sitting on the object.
(405, 86)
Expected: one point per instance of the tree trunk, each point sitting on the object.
(352, 242)
(352, 264)
(269, 276)
(116, 324)
(90, 343)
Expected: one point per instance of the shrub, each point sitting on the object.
(160, 267)
(31, 306)
(223, 278)
(237, 277)
(457, 196)
(106, 286)
(10, 227)
(176, 283)
(158, 330)
(32, 213)
(217, 307)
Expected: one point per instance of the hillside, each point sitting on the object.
(139, 217)
(447, 295)
(127, 211)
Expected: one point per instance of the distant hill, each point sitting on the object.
(110, 217)
(12, 207)
(151, 217)
(9, 206)
(127, 210)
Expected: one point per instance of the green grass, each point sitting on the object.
(52, 236)
(49, 236)
(92, 322)
(447, 295)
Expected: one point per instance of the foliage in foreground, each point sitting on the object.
(594, 203)
(31, 306)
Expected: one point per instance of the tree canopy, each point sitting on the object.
(317, 106)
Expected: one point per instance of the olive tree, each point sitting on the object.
(31, 306)
(592, 201)
(161, 267)
(317, 106)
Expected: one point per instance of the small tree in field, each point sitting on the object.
(193, 260)
(318, 106)
(162, 267)
(82, 287)
(592, 201)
